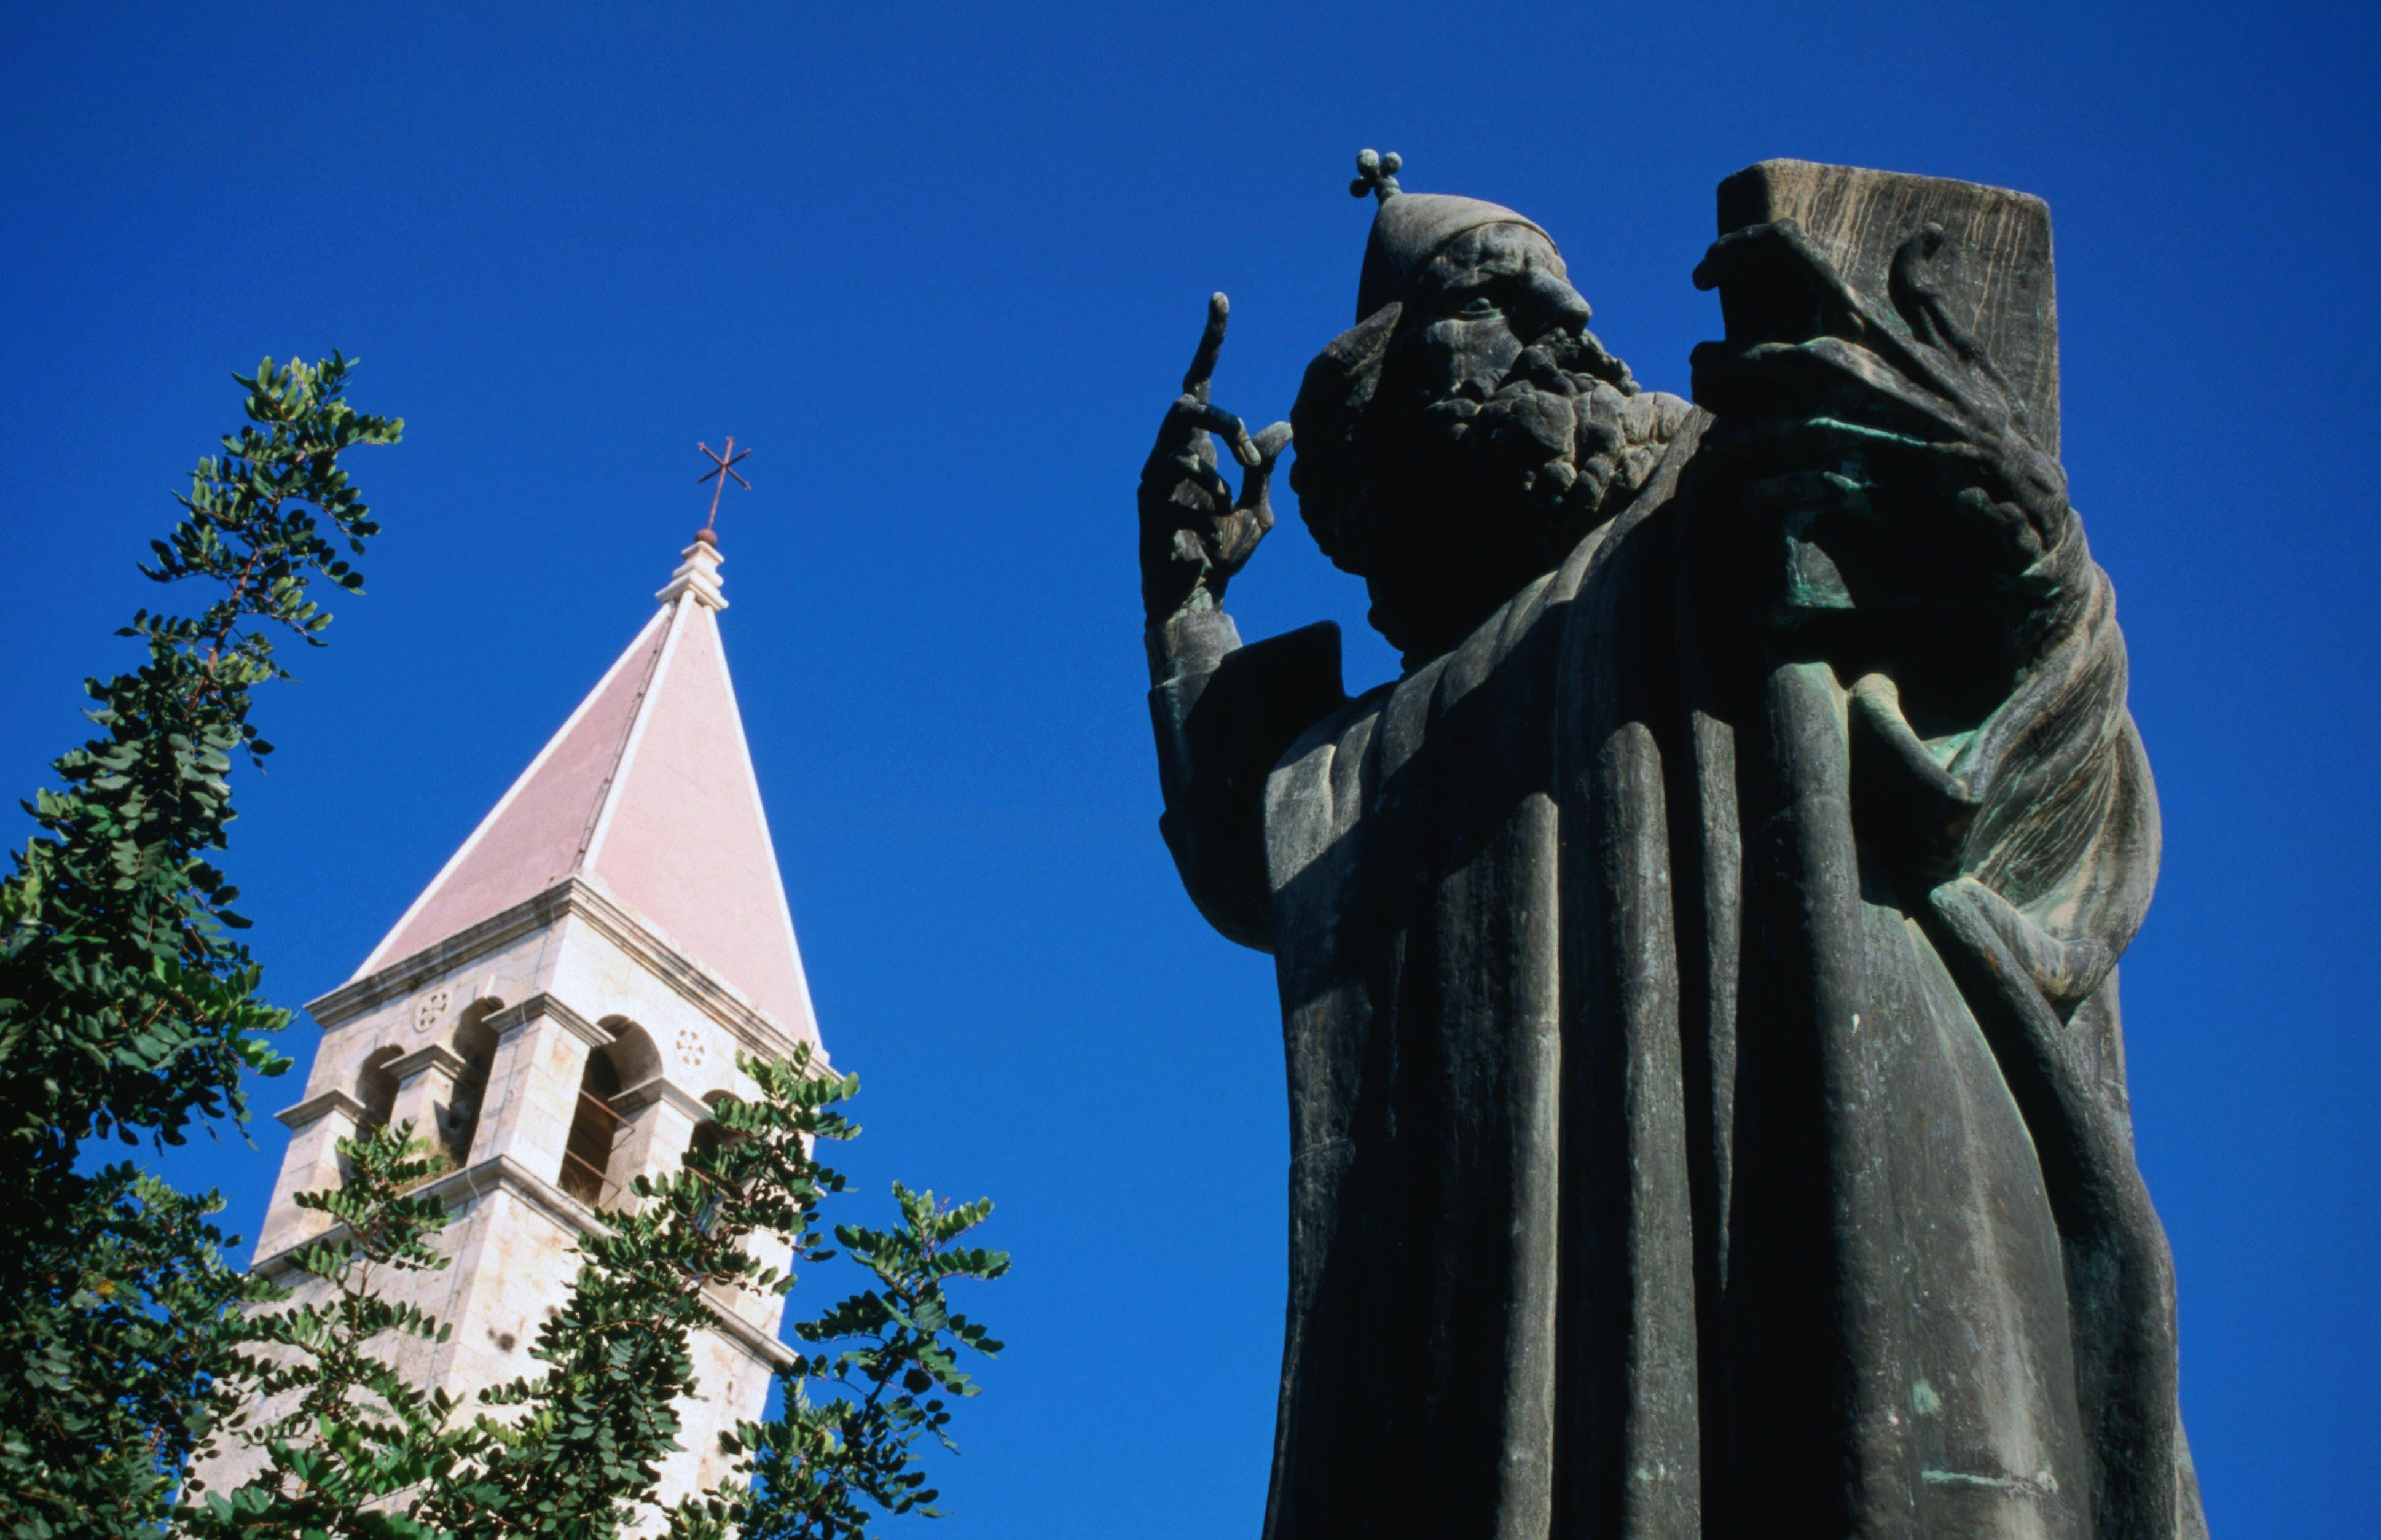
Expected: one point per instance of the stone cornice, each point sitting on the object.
(721, 1003)
(503, 1173)
(409, 973)
(428, 1056)
(573, 897)
(751, 1337)
(637, 1097)
(542, 1004)
(315, 1106)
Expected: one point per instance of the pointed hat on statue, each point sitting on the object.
(1411, 228)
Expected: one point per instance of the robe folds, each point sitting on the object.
(1673, 1152)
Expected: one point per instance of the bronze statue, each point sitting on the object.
(1698, 970)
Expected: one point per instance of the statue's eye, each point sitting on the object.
(1477, 307)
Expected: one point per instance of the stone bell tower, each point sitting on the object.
(560, 1003)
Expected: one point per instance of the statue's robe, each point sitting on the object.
(1665, 1163)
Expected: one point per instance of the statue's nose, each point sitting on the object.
(1559, 307)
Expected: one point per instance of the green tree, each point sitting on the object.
(127, 1008)
(128, 1011)
(844, 1445)
(341, 1430)
(351, 1448)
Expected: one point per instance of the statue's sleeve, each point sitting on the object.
(1225, 715)
(2054, 869)
(2065, 824)
(2052, 818)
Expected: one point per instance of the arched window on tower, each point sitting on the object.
(591, 1158)
(595, 1130)
(376, 1087)
(476, 1046)
(709, 1138)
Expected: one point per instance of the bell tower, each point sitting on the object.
(560, 1004)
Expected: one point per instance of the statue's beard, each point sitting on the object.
(1486, 488)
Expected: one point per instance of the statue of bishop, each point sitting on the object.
(1698, 969)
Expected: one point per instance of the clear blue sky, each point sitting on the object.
(944, 269)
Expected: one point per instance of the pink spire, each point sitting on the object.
(648, 791)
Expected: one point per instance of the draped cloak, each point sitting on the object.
(1666, 1161)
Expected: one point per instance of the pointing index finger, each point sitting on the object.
(1211, 343)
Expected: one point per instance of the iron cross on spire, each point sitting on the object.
(723, 465)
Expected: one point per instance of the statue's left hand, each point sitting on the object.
(1932, 428)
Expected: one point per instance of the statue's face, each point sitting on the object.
(1492, 292)
(1455, 445)
(1497, 441)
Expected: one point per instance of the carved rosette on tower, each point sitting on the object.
(559, 1006)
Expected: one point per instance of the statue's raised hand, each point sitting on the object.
(1194, 534)
(1900, 417)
